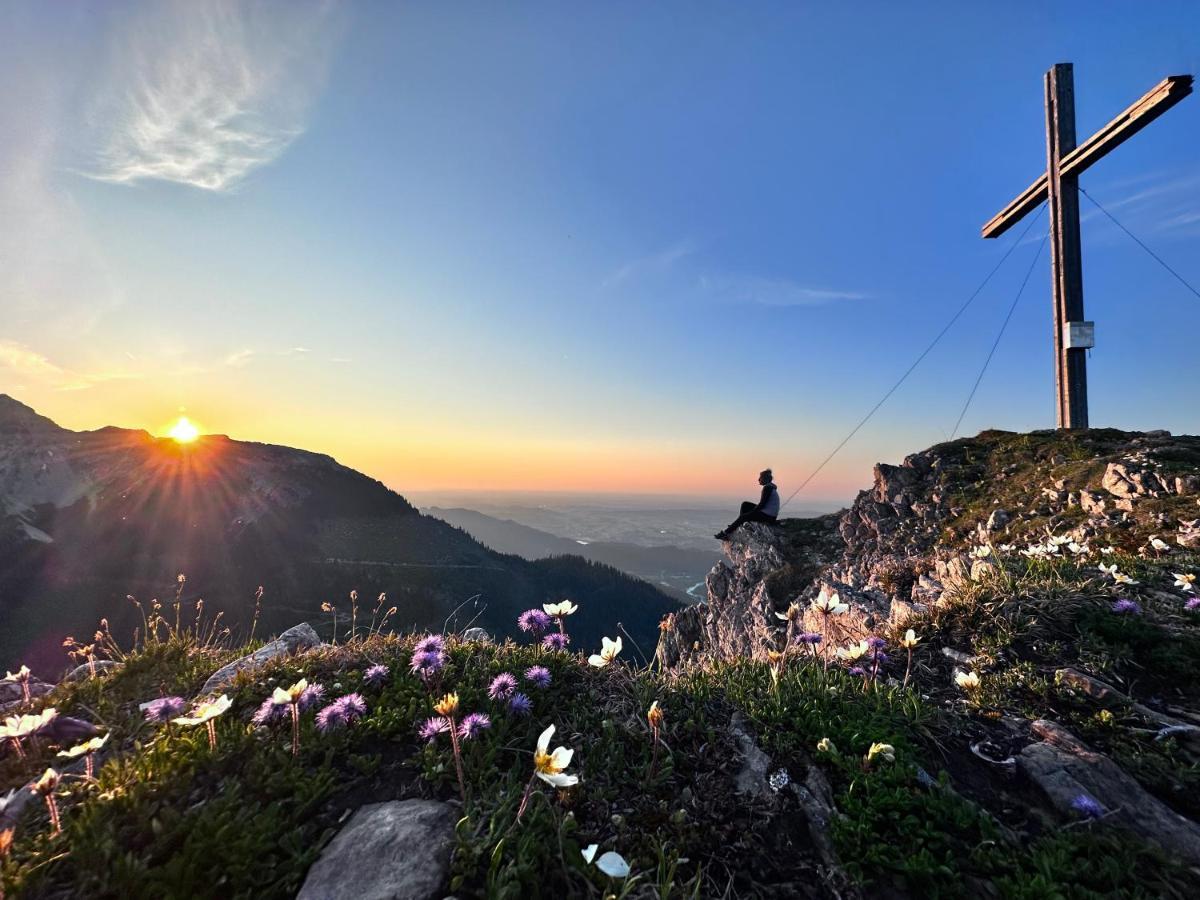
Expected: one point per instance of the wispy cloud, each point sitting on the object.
(773, 291)
(203, 93)
(655, 263)
(24, 362)
(1164, 203)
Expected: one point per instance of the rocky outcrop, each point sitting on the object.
(1065, 770)
(398, 850)
(295, 640)
(765, 568)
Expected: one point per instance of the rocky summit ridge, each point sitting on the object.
(917, 530)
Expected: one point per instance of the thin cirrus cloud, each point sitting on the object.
(778, 292)
(26, 363)
(204, 93)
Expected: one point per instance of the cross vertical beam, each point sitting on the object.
(1066, 257)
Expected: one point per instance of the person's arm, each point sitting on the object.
(766, 495)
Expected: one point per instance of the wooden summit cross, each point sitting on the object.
(1060, 184)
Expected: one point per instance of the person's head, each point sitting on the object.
(765, 476)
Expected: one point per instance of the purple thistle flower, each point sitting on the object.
(434, 642)
(519, 704)
(428, 663)
(502, 686)
(1194, 603)
(472, 725)
(808, 637)
(857, 670)
(881, 658)
(876, 643)
(375, 675)
(1124, 606)
(163, 709)
(341, 712)
(353, 705)
(538, 676)
(1087, 807)
(432, 727)
(534, 621)
(312, 696)
(269, 711)
(555, 641)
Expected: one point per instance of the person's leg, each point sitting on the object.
(748, 510)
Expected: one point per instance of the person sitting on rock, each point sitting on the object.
(766, 510)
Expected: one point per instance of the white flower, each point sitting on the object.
(609, 652)
(1108, 551)
(830, 604)
(22, 726)
(589, 853)
(887, 751)
(205, 711)
(1122, 578)
(281, 697)
(1006, 548)
(852, 652)
(1058, 541)
(968, 681)
(550, 767)
(1159, 544)
(910, 639)
(21, 675)
(981, 552)
(558, 610)
(1078, 549)
(1186, 581)
(613, 865)
(86, 747)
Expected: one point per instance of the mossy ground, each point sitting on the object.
(168, 817)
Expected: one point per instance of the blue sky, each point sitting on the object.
(610, 246)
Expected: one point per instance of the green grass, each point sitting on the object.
(168, 817)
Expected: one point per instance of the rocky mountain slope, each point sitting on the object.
(90, 518)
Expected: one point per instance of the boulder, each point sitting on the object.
(399, 850)
(754, 765)
(476, 634)
(998, 519)
(1064, 768)
(91, 670)
(295, 640)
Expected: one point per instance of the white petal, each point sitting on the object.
(613, 865)
(280, 697)
(590, 853)
(561, 757)
(559, 781)
(544, 741)
(598, 661)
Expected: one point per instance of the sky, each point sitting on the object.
(580, 247)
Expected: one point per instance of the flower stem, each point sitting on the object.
(525, 796)
(295, 729)
(654, 757)
(462, 784)
(16, 742)
(212, 734)
(52, 807)
(908, 668)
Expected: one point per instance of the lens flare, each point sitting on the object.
(183, 431)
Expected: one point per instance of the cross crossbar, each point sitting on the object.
(1141, 113)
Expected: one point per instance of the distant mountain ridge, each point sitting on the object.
(87, 518)
(672, 568)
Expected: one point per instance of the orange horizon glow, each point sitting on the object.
(428, 456)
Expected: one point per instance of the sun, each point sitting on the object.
(183, 431)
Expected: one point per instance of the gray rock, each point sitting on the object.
(1063, 767)
(399, 850)
(755, 765)
(295, 640)
(476, 634)
(84, 672)
(998, 519)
